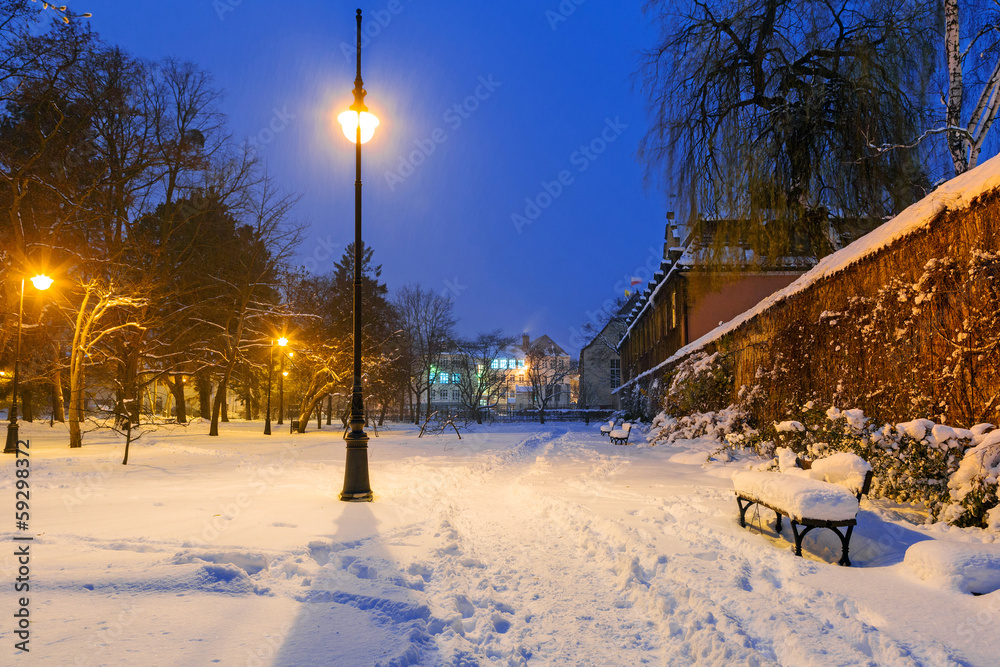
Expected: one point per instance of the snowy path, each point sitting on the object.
(514, 546)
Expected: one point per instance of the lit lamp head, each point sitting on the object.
(285, 373)
(282, 342)
(349, 121)
(42, 282)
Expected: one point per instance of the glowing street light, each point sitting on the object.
(361, 124)
(41, 283)
(351, 120)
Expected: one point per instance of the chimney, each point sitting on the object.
(525, 341)
(668, 235)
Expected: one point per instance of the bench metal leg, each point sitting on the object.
(743, 510)
(799, 536)
(845, 540)
(777, 522)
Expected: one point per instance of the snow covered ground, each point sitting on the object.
(520, 544)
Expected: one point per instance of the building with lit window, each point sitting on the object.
(445, 391)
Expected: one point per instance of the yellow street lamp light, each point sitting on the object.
(358, 122)
(42, 282)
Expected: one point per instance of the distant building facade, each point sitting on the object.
(444, 392)
(601, 365)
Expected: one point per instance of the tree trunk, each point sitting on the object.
(76, 405)
(221, 391)
(957, 142)
(220, 397)
(27, 405)
(329, 409)
(177, 391)
(203, 383)
(58, 410)
(58, 407)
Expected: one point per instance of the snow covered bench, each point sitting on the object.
(620, 436)
(825, 493)
(606, 429)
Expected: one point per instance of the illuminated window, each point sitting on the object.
(673, 309)
(443, 378)
(456, 378)
(495, 364)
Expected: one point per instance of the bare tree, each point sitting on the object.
(548, 368)
(247, 284)
(482, 363)
(427, 325)
(99, 302)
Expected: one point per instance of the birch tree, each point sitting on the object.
(967, 128)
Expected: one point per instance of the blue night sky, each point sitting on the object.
(442, 217)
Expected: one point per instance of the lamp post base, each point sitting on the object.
(12, 437)
(357, 488)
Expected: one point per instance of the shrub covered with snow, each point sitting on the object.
(912, 461)
(639, 403)
(973, 487)
(952, 471)
(701, 383)
(696, 405)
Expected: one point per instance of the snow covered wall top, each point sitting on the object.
(954, 194)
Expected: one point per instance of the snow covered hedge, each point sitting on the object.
(952, 471)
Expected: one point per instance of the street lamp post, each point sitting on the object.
(270, 370)
(358, 126)
(281, 388)
(282, 342)
(41, 283)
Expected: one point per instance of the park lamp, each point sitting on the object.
(358, 115)
(282, 342)
(41, 282)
